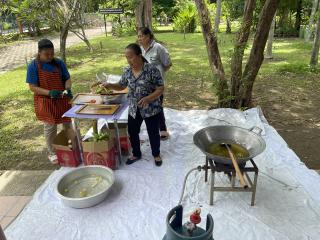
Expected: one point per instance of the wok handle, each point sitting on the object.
(256, 130)
(236, 167)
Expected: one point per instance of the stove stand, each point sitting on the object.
(230, 171)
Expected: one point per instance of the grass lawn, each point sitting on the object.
(285, 88)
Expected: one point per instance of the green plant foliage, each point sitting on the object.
(186, 20)
(99, 137)
(123, 24)
(163, 6)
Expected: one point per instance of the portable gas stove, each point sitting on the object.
(250, 139)
(229, 170)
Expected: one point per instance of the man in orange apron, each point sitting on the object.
(49, 80)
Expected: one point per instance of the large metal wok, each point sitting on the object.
(249, 139)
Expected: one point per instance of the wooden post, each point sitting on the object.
(105, 24)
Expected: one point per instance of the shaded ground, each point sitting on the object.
(286, 89)
(294, 112)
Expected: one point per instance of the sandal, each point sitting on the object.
(53, 159)
(158, 161)
(132, 159)
(164, 135)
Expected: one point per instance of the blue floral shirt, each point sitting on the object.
(140, 87)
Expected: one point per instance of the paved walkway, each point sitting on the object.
(15, 56)
(16, 190)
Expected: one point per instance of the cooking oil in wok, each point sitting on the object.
(221, 150)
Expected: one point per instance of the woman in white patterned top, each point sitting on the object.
(157, 55)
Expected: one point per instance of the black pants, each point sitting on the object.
(134, 125)
(162, 122)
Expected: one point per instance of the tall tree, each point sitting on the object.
(62, 12)
(218, 16)
(77, 25)
(143, 12)
(298, 17)
(270, 40)
(316, 44)
(241, 84)
(308, 32)
(28, 12)
(66, 16)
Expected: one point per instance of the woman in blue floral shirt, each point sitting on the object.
(145, 88)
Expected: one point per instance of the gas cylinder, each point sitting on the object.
(177, 231)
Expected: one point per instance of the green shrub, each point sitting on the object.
(127, 27)
(286, 31)
(186, 20)
(10, 37)
(7, 26)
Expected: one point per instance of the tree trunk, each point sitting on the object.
(307, 35)
(63, 42)
(82, 35)
(218, 16)
(139, 14)
(148, 14)
(315, 48)
(213, 53)
(284, 19)
(270, 40)
(256, 55)
(86, 40)
(30, 30)
(143, 14)
(298, 17)
(19, 24)
(238, 52)
(228, 29)
(37, 28)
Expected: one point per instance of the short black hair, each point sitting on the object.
(45, 44)
(136, 49)
(146, 31)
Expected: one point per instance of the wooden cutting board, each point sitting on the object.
(85, 98)
(98, 109)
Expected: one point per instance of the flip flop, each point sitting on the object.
(164, 135)
(130, 160)
(158, 162)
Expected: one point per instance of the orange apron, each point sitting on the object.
(47, 109)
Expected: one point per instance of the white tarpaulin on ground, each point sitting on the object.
(287, 199)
